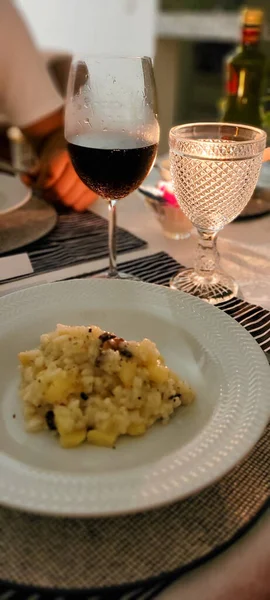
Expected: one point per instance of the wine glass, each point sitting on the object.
(214, 168)
(111, 128)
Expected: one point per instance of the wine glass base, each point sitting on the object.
(176, 236)
(218, 288)
(120, 275)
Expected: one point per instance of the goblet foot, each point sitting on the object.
(217, 288)
(118, 275)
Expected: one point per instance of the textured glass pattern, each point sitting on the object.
(215, 168)
(213, 192)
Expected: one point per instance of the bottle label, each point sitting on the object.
(232, 81)
(250, 35)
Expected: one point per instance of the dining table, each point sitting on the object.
(242, 571)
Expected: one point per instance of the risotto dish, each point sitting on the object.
(86, 384)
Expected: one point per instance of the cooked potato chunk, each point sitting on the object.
(71, 440)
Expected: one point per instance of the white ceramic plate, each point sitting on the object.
(202, 442)
(13, 193)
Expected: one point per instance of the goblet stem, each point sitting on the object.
(113, 272)
(207, 255)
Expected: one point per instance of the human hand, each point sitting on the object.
(55, 175)
(266, 154)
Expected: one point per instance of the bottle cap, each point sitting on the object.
(252, 16)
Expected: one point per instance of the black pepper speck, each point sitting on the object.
(125, 352)
(50, 420)
(106, 336)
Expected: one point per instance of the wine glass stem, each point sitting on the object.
(112, 239)
(207, 255)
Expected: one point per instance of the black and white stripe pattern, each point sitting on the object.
(254, 318)
(157, 268)
(77, 238)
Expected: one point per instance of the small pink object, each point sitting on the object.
(168, 195)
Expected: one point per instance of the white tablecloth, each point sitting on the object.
(243, 571)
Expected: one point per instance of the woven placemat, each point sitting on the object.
(98, 553)
(77, 238)
(135, 556)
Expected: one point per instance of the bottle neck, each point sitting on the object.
(251, 36)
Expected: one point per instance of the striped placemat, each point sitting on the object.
(159, 268)
(77, 238)
(162, 543)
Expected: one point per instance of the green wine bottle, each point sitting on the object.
(266, 102)
(244, 74)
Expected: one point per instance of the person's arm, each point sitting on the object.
(56, 175)
(27, 93)
(29, 100)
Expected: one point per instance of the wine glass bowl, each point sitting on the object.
(111, 128)
(214, 167)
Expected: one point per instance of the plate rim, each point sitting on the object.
(264, 412)
(25, 199)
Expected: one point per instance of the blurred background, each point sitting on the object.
(188, 40)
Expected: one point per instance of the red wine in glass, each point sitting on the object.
(113, 165)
